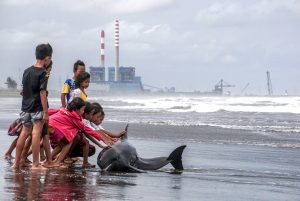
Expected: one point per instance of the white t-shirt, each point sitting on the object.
(97, 127)
(88, 124)
(94, 127)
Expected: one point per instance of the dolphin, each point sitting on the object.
(122, 157)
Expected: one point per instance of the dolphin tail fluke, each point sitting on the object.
(175, 157)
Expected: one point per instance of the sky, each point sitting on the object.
(190, 45)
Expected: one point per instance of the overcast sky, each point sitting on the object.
(190, 44)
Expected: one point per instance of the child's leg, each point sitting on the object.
(55, 151)
(42, 153)
(26, 151)
(85, 151)
(46, 144)
(13, 145)
(36, 133)
(20, 146)
(64, 151)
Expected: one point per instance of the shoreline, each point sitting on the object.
(96, 94)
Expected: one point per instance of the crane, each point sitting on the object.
(269, 84)
(244, 89)
(220, 86)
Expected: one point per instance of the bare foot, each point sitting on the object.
(38, 167)
(15, 166)
(88, 165)
(62, 166)
(25, 163)
(69, 161)
(9, 157)
(51, 164)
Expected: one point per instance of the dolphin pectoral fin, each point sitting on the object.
(175, 158)
(134, 169)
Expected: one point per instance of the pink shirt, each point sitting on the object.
(69, 123)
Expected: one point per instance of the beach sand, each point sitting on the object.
(219, 165)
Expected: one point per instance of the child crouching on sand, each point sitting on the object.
(87, 120)
(81, 146)
(96, 121)
(64, 125)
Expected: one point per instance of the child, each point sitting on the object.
(34, 104)
(64, 125)
(87, 120)
(81, 146)
(44, 143)
(97, 119)
(83, 80)
(14, 130)
(71, 84)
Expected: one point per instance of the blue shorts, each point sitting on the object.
(30, 118)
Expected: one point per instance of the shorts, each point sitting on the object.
(29, 118)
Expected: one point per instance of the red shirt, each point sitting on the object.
(69, 123)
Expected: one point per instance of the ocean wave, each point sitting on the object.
(266, 130)
(204, 104)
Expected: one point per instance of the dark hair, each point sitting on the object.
(76, 64)
(42, 51)
(88, 108)
(97, 105)
(75, 104)
(82, 77)
(97, 110)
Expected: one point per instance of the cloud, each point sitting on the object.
(116, 6)
(153, 29)
(132, 6)
(241, 13)
(228, 58)
(17, 2)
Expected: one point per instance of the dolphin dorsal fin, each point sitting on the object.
(125, 137)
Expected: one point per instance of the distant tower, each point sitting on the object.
(102, 49)
(269, 84)
(117, 50)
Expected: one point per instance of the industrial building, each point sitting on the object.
(119, 78)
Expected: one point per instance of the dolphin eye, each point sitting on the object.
(133, 160)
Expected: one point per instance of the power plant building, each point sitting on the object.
(120, 79)
(126, 74)
(97, 74)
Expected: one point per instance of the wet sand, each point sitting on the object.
(217, 167)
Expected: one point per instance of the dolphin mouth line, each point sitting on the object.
(107, 168)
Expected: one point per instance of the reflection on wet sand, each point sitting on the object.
(48, 185)
(68, 184)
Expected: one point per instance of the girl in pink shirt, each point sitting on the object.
(64, 125)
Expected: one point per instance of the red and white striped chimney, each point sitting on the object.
(102, 49)
(117, 50)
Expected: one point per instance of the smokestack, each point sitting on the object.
(117, 50)
(102, 49)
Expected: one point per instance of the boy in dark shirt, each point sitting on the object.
(34, 104)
